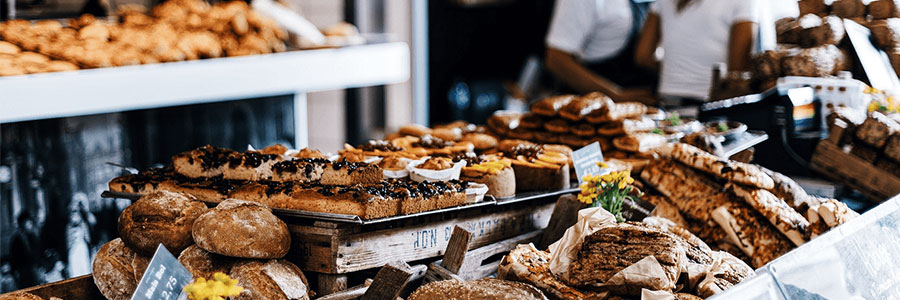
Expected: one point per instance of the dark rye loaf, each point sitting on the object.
(245, 229)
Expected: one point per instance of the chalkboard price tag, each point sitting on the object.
(164, 279)
(586, 159)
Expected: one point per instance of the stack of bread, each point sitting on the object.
(808, 45)
(175, 30)
(613, 261)
(577, 121)
(875, 140)
(745, 209)
(295, 180)
(240, 238)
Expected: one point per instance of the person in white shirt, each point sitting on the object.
(694, 36)
(590, 47)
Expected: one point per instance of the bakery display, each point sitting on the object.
(175, 30)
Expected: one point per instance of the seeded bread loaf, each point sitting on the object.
(239, 228)
(160, 218)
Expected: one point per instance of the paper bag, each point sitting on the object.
(564, 251)
(647, 273)
(656, 295)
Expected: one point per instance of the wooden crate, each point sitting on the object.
(340, 248)
(76, 288)
(832, 162)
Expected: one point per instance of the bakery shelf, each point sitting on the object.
(107, 90)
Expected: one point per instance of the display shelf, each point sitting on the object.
(106, 90)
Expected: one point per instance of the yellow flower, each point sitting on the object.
(221, 286)
(602, 165)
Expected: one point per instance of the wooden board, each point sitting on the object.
(833, 163)
(76, 288)
(344, 248)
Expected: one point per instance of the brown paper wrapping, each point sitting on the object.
(564, 251)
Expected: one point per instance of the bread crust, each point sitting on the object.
(245, 229)
(273, 279)
(160, 217)
(113, 270)
(487, 288)
(203, 264)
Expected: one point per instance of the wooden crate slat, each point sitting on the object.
(877, 184)
(75, 288)
(409, 241)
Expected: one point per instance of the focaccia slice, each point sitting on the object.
(787, 220)
(738, 172)
(206, 161)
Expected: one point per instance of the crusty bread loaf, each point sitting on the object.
(206, 161)
(19, 296)
(876, 130)
(114, 270)
(527, 264)
(160, 218)
(814, 62)
(203, 264)
(892, 147)
(239, 228)
(848, 8)
(488, 288)
(270, 280)
(882, 9)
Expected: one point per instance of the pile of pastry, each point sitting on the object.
(303, 180)
(240, 238)
(175, 30)
(624, 130)
(875, 139)
(653, 259)
(744, 209)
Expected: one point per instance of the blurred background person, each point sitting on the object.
(590, 47)
(694, 36)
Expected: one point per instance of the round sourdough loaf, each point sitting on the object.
(160, 217)
(274, 279)
(477, 290)
(239, 228)
(20, 296)
(117, 270)
(203, 264)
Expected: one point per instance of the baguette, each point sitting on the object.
(787, 220)
(789, 190)
(732, 171)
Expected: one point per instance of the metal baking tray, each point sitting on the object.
(321, 216)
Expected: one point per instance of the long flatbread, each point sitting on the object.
(787, 220)
(694, 195)
(751, 233)
(738, 172)
(788, 190)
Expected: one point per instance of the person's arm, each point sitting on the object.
(740, 45)
(648, 41)
(564, 66)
